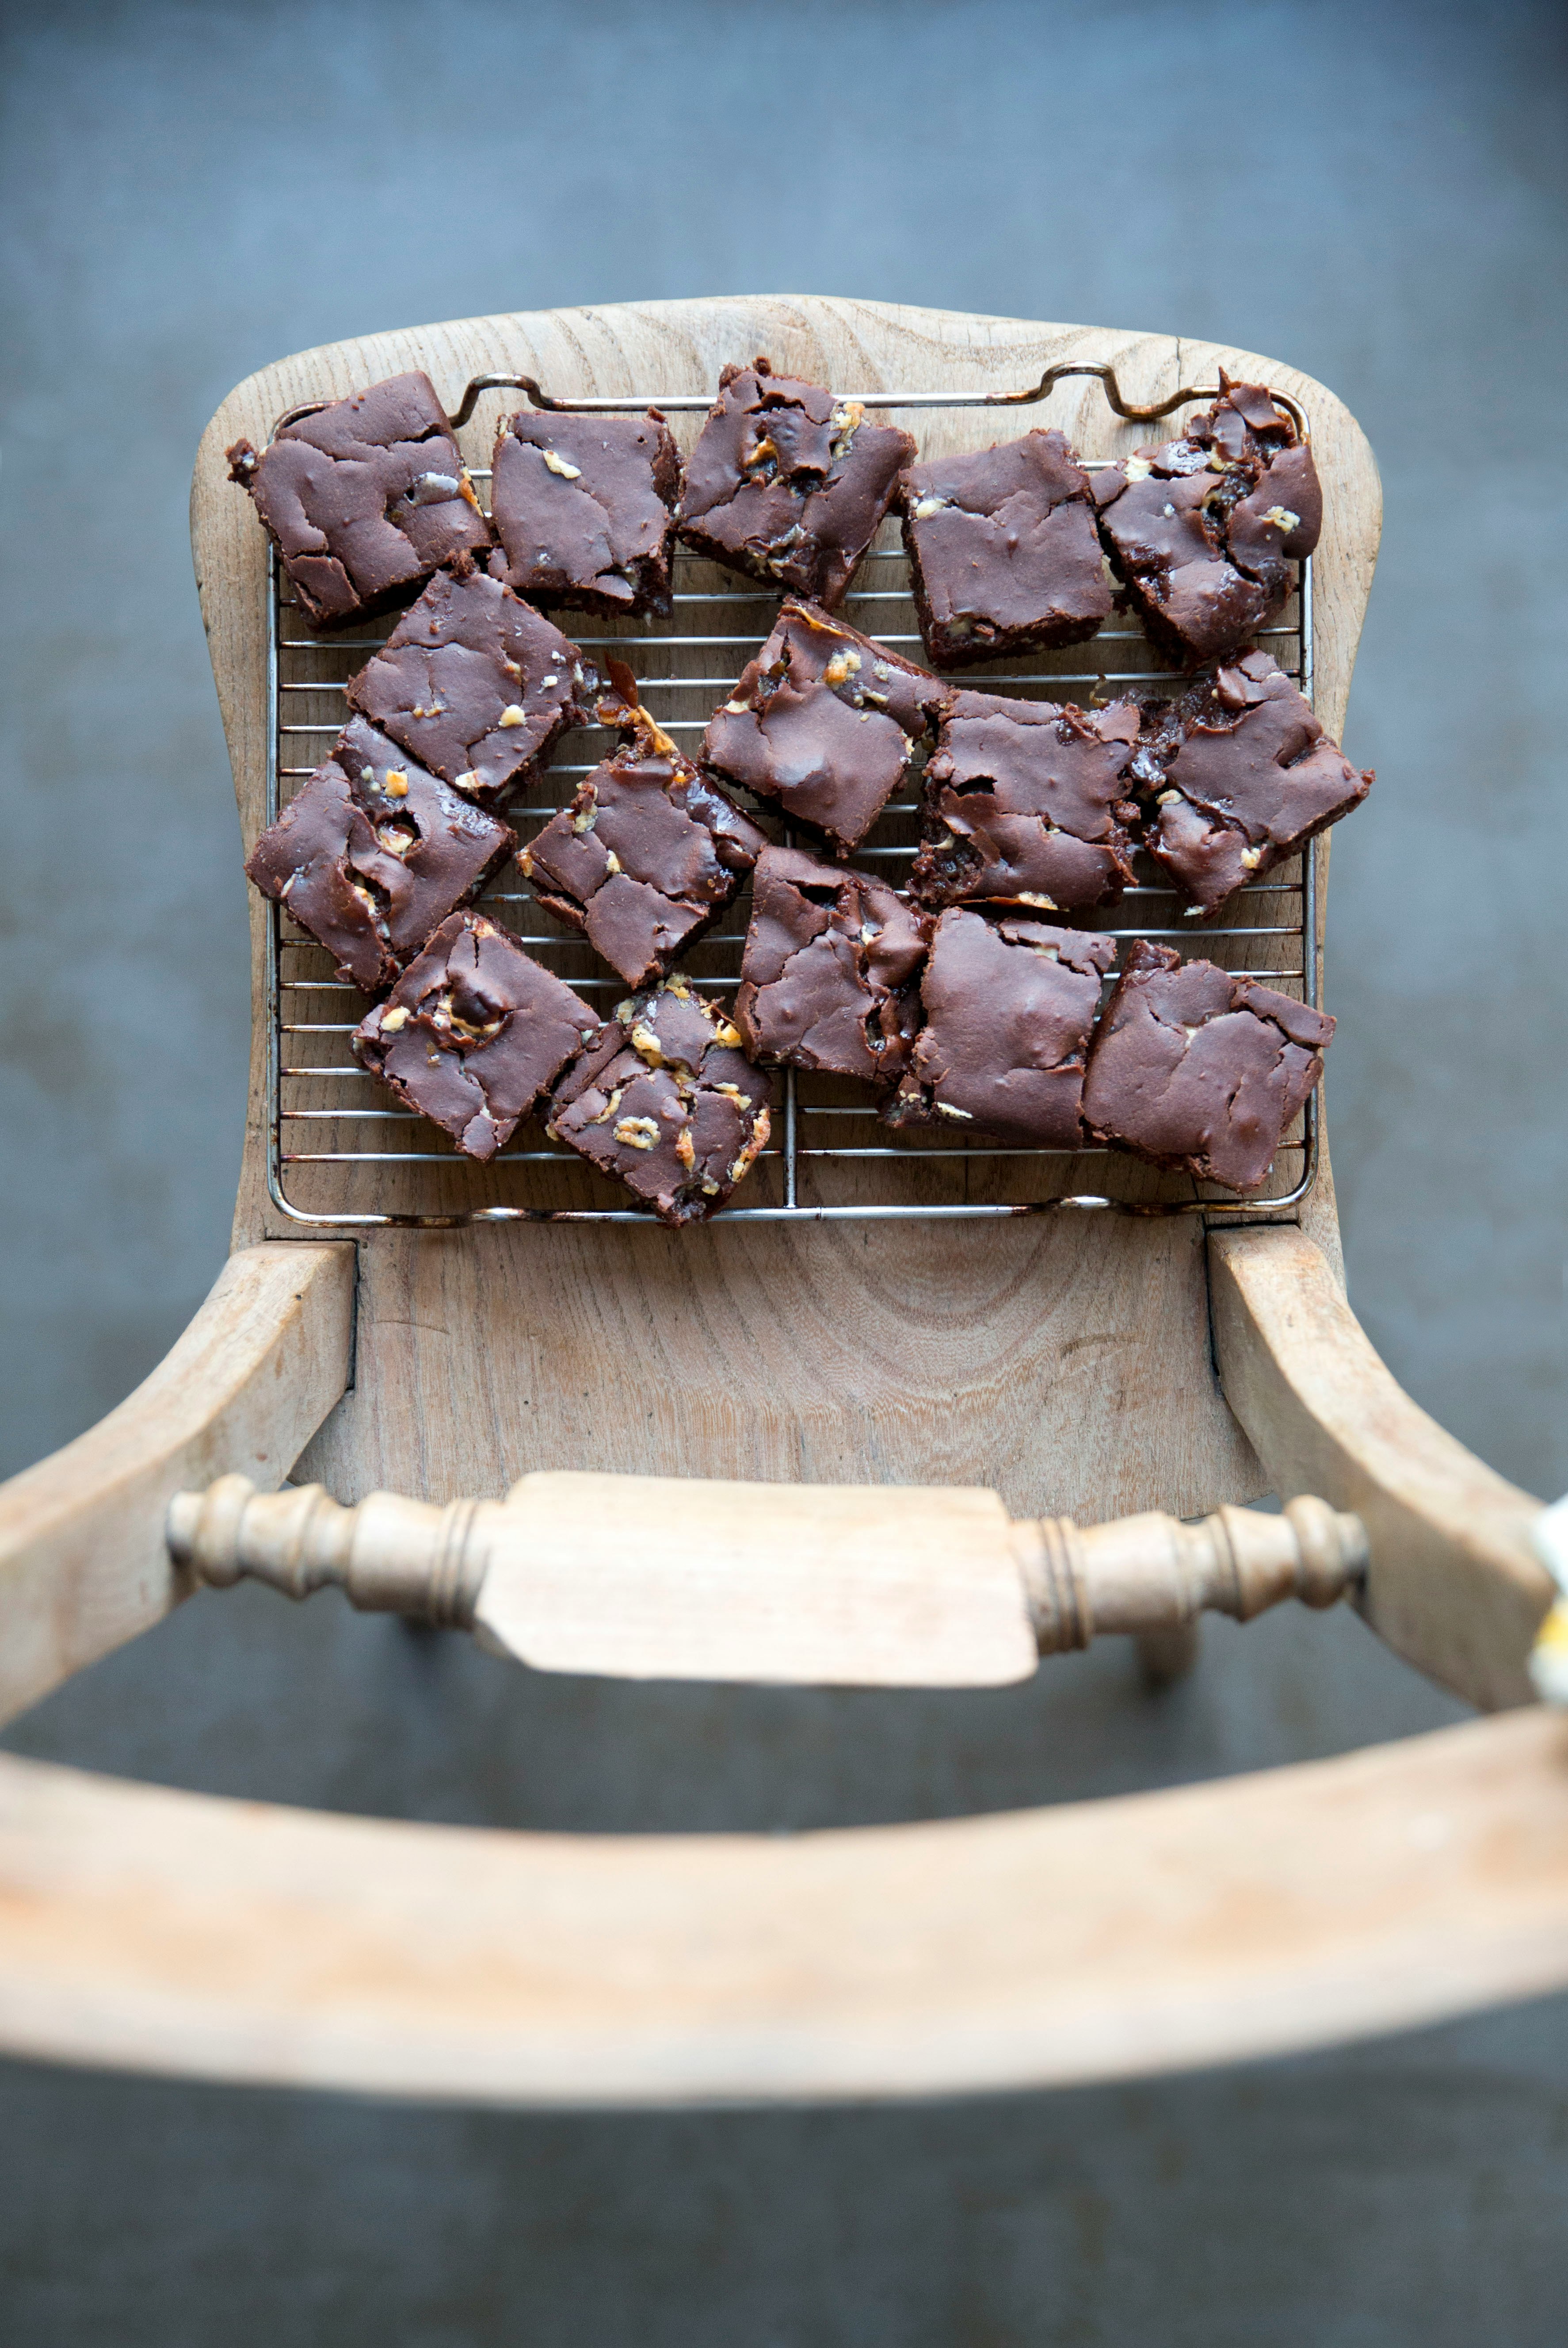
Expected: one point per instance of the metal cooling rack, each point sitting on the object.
(337, 1143)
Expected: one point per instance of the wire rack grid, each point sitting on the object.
(341, 1153)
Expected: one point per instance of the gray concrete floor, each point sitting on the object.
(1372, 193)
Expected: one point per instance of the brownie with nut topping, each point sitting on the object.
(1202, 531)
(1009, 1007)
(1003, 552)
(664, 1098)
(584, 508)
(374, 854)
(473, 1033)
(476, 684)
(648, 854)
(363, 499)
(824, 724)
(1029, 802)
(1201, 1070)
(827, 978)
(788, 483)
(1241, 776)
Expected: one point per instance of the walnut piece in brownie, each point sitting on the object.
(827, 977)
(1029, 802)
(1204, 530)
(1003, 552)
(664, 1098)
(1008, 1008)
(1242, 774)
(584, 508)
(1199, 1069)
(788, 483)
(824, 723)
(476, 684)
(363, 499)
(374, 854)
(648, 854)
(473, 1033)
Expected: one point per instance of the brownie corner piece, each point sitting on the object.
(473, 1033)
(1008, 1008)
(787, 482)
(363, 499)
(476, 682)
(664, 1098)
(1003, 551)
(583, 507)
(1200, 1070)
(827, 977)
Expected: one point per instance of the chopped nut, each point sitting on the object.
(946, 1109)
(611, 861)
(686, 1149)
(525, 862)
(638, 1133)
(1168, 799)
(391, 1021)
(610, 1106)
(644, 1041)
(1218, 461)
(545, 682)
(1282, 519)
(728, 1035)
(926, 507)
(586, 816)
(1137, 468)
(512, 716)
(737, 708)
(734, 1092)
(1252, 858)
(513, 669)
(842, 666)
(558, 465)
(395, 783)
(468, 782)
(1033, 897)
(466, 488)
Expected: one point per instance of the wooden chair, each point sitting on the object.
(1069, 1366)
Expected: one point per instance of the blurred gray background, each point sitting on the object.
(1372, 192)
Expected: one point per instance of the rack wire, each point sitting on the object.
(342, 1153)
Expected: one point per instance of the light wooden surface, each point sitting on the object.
(1065, 1363)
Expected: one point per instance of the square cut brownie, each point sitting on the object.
(584, 508)
(476, 684)
(1004, 556)
(374, 854)
(664, 1098)
(364, 499)
(1029, 802)
(827, 977)
(1200, 1070)
(1204, 530)
(648, 854)
(788, 483)
(1008, 1008)
(825, 723)
(473, 1033)
(1242, 776)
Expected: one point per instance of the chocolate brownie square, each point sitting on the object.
(648, 854)
(1003, 552)
(473, 1033)
(584, 508)
(788, 483)
(664, 1098)
(825, 723)
(476, 684)
(1204, 530)
(1242, 776)
(363, 499)
(1199, 1069)
(1008, 1008)
(827, 977)
(374, 854)
(1030, 802)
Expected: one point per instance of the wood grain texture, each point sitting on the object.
(83, 1563)
(1455, 1585)
(1065, 1363)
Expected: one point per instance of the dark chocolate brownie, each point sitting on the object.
(788, 483)
(473, 1033)
(1204, 530)
(664, 1098)
(373, 853)
(827, 978)
(1009, 1009)
(1242, 776)
(1200, 1070)
(1003, 552)
(825, 723)
(363, 499)
(583, 507)
(476, 684)
(648, 854)
(1029, 802)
